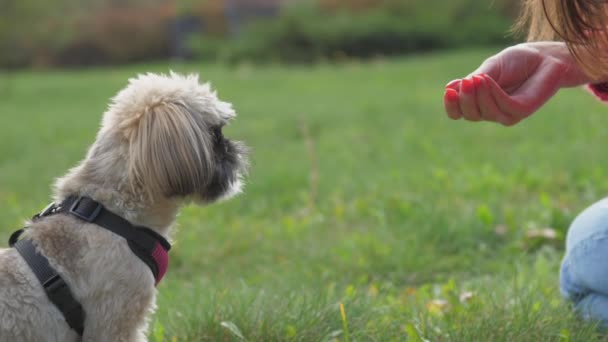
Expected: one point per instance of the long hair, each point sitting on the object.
(581, 24)
(171, 152)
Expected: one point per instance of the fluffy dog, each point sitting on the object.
(160, 146)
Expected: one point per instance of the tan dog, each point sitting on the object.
(159, 147)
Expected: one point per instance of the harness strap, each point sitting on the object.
(54, 286)
(148, 245)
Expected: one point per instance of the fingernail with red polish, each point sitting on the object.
(453, 83)
(451, 94)
(477, 80)
(466, 85)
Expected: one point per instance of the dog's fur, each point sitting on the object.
(160, 146)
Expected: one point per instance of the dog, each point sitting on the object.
(160, 146)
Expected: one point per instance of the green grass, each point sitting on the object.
(361, 193)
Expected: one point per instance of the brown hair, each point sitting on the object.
(581, 24)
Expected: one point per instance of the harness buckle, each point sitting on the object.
(53, 284)
(49, 209)
(89, 214)
(59, 293)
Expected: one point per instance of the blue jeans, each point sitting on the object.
(584, 270)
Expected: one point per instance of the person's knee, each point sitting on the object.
(567, 283)
(584, 268)
(593, 221)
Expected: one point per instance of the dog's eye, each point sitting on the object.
(217, 133)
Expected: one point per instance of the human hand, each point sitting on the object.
(513, 84)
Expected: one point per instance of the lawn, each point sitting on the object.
(368, 214)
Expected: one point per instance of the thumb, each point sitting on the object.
(491, 67)
(541, 86)
(505, 102)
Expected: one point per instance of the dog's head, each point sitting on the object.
(169, 133)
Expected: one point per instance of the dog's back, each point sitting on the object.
(114, 287)
(26, 314)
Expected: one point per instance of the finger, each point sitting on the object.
(505, 102)
(455, 84)
(487, 106)
(491, 67)
(468, 102)
(482, 97)
(450, 102)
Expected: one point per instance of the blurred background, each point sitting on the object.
(73, 33)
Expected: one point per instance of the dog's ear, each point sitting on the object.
(170, 152)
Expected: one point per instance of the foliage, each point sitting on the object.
(308, 34)
(69, 32)
(115, 36)
(30, 30)
(417, 224)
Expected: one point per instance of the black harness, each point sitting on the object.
(148, 245)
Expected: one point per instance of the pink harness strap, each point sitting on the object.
(161, 258)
